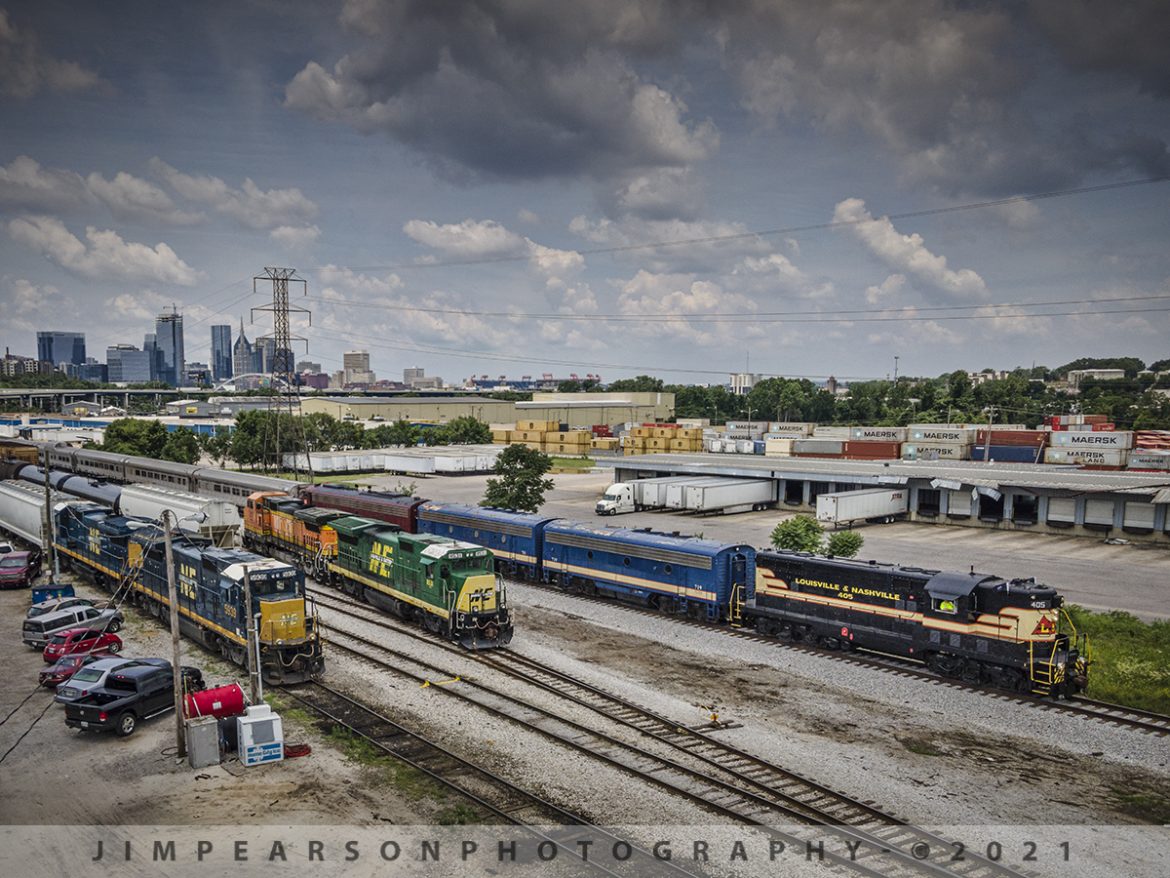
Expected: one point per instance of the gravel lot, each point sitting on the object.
(1086, 571)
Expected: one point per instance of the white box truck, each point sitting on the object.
(730, 495)
(844, 507)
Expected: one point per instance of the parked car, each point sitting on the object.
(64, 668)
(19, 569)
(6, 547)
(52, 605)
(94, 675)
(37, 632)
(81, 640)
(129, 696)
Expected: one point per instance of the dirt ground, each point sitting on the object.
(57, 775)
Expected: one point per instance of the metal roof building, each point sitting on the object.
(1043, 498)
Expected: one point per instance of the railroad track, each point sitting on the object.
(486, 789)
(688, 762)
(1102, 711)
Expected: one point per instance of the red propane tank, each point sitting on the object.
(218, 702)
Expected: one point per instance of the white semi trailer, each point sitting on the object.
(731, 495)
(844, 507)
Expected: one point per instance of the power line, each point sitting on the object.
(763, 233)
(742, 316)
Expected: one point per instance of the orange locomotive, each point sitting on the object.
(284, 527)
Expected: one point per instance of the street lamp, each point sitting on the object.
(173, 600)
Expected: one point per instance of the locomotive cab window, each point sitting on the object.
(945, 605)
(445, 572)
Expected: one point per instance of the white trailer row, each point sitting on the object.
(413, 461)
(688, 493)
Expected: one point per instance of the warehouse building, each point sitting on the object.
(577, 410)
(1043, 499)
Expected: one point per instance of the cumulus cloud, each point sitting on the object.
(906, 254)
(682, 246)
(888, 288)
(140, 307)
(926, 332)
(27, 70)
(510, 91)
(132, 197)
(249, 205)
(488, 239)
(668, 300)
(103, 255)
(28, 305)
(295, 237)
(776, 273)
(25, 183)
(660, 194)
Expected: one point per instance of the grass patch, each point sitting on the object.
(1130, 659)
(458, 815)
(921, 746)
(572, 463)
(1148, 807)
(413, 783)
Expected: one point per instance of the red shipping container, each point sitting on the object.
(1096, 419)
(873, 450)
(1104, 428)
(1030, 438)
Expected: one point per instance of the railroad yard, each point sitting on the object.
(621, 719)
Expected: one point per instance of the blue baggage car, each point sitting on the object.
(513, 537)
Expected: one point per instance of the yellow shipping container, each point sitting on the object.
(537, 426)
(691, 433)
(501, 435)
(529, 444)
(604, 443)
(629, 451)
(572, 437)
(658, 444)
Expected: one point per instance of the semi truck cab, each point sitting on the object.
(618, 498)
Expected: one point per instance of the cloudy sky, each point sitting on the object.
(613, 186)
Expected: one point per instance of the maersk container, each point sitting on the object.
(912, 451)
(842, 507)
(1149, 460)
(801, 428)
(731, 495)
(942, 436)
(1088, 456)
(1117, 441)
(817, 446)
(878, 434)
(831, 432)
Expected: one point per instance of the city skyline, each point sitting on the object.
(626, 187)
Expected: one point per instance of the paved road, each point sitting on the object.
(1086, 571)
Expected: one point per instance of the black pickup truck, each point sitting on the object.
(132, 694)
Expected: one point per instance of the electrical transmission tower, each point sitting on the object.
(285, 399)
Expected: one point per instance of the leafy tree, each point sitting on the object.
(217, 445)
(844, 544)
(521, 484)
(641, 384)
(144, 438)
(801, 533)
(181, 446)
(468, 431)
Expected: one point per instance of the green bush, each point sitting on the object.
(1129, 658)
(844, 544)
(801, 533)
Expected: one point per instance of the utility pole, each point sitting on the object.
(896, 368)
(50, 551)
(987, 443)
(253, 660)
(286, 401)
(168, 521)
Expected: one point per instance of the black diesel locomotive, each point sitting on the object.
(972, 626)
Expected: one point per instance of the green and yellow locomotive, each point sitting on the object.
(448, 586)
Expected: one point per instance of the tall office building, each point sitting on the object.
(60, 348)
(243, 355)
(126, 364)
(265, 355)
(154, 356)
(168, 330)
(221, 352)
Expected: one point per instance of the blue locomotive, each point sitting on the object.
(699, 578)
(120, 552)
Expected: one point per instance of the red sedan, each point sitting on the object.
(81, 640)
(66, 667)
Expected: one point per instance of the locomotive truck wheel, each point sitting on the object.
(126, 724)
